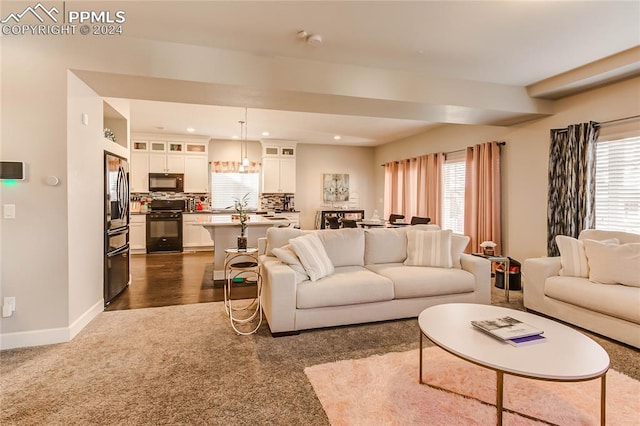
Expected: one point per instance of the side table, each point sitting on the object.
(504, 260)
(242, 263)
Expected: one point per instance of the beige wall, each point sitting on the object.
(313, 161)
(525, 158)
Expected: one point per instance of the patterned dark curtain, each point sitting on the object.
(571, 206)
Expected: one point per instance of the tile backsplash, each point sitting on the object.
(284, 202)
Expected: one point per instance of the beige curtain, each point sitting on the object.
(234, 167)
(413, 187)
(482, 199)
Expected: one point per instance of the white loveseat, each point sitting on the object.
(570, 287)
(369, 282)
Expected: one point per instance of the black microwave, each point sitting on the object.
(166, 182)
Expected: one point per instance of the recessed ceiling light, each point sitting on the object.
(234, 137)
(265, 133)
(191, 129)
(337, 137)
(160, 127)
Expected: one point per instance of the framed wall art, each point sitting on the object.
(335, 187)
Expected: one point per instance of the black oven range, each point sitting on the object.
(164, 226)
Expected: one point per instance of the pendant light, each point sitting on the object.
(241, 167)
(245, 160)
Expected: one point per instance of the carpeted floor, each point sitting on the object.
(184, 365)
(383, 389)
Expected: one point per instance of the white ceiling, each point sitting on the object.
(514, 43)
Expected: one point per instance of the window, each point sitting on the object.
(226, 187)
(453, 192)
(617, 199)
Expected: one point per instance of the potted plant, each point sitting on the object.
(240, 207)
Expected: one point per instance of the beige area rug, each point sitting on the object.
(384, 390)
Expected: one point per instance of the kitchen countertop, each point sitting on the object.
(254, 220)
(217, 212)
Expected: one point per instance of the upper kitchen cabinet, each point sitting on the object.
(196, 148)
(166, 163)
(187, 156)
(139, 146)
(196, 173)
(278, 167)
(139, 171)
(170, 162)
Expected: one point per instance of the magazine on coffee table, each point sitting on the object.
(506, 328)
(529, 340)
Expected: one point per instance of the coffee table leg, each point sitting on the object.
(603, 399)
(420, 369)
(499, 386)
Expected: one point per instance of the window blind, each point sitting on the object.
(453, 197)
(227, 187)
(617, 198)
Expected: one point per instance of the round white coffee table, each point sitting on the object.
(566, 355)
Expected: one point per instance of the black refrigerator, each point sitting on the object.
(116, 226)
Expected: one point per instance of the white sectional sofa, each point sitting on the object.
(582, 286)
(369, 281)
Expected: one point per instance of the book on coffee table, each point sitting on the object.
(529, 340)
(506, 328)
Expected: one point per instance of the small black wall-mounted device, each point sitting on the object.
(12, 170)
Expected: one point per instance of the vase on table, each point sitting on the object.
(242, 242)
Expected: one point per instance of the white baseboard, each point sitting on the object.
(23, 339)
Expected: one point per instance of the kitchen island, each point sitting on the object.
(224, 233)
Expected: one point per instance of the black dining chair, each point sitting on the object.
(393, 217)
(348, 223)
(417, 220)
(333, 222)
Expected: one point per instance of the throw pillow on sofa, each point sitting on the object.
(458, 244)
(573, 258)
(313, 256)
(613, 263)
(429, 248)
(287, 256)
(279, 237)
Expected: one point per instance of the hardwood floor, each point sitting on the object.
(165, 279)
(178, 278)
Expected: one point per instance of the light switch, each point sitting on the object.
(85, 118)
(9, 211)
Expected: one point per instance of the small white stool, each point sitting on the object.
(242, 263)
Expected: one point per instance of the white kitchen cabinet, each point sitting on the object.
(166, 163)
(278, 167)
(196, 173)
(288, 175)
(140, 146)
(196, 148)
(139, 172)
(195, 236)
(156, 146)
(138, 233)
(278, 175)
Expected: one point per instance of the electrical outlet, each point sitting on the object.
(9, 211)
(8, 306)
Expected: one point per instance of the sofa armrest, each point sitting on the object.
(262, 245)
(279, 292)
(481, 270)
(535, 272)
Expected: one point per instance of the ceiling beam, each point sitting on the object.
(607, 70)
